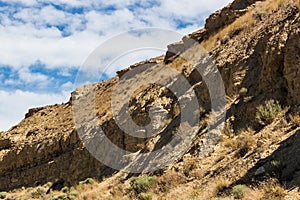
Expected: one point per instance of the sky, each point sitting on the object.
(43, 43)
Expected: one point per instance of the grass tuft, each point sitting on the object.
(267, 112)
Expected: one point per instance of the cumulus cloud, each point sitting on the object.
(15, 104)
(58, 38)
(24, 2)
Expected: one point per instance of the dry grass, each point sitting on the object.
(296, 119)
(230, 143)
(220, 186)
(239, 24)
(272, 5)
(253, 194)
(245, 22)
(269, 190)
(246, 143)
(297, 4)
(273, 190)
(242, 143)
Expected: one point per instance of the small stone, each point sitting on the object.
(261, 170)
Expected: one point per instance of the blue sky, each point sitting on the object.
(44, 42)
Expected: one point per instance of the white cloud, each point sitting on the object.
(20, 50)
(24, 2)
(12, 82)
(64, 72)
(68, 86)
(24, 43)
(32, 33)
(190, 9)
(94, 3)
(14, 105)
(28, 77)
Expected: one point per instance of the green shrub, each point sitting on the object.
(87, 181)
(142, 184)
(243, 91)
(239, 191)
(145, 196)
(65, 189)
(260, 14)
(275, 163)
(275, 168)
(59, 197)
(73, 193)
(49, 184)
(266, 113)
(3, 195)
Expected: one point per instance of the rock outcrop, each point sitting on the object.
(260, 55)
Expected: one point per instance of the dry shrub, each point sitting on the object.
(296, 119)
(230, 143)
(253, 194)
(190, 164)
(274, 191)
(272, 5)
(220, 186)
(169, 180)
(245, 143)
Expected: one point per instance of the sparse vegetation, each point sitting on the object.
(239, 191)
(275, 163)
(73, 194)
(245, 143)
(190, 165)
(3, 195)
(65, 189)
(296, 119)
(267, 112)
(220, 186)
(244, 22)
(59, 197)
(231, 143)
(243, 91)
(275, 169)
(87, 181)
(260, 14)
(145, 196)
(274, 191)
(195, 195)
(143, 184)
(39, 192)
(169, 180)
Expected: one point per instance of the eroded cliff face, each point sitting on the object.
(254, 50)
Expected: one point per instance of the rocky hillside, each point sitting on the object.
(255, 46)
